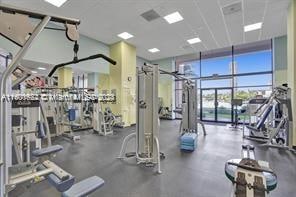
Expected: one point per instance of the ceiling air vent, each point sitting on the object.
(232, 8)
(186, 47)
(150, 15)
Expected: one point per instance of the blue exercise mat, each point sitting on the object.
(188, 141)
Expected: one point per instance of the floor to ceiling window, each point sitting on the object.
(242, 72)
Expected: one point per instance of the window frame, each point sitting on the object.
(262, 46)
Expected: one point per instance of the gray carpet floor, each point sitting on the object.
(196, 174)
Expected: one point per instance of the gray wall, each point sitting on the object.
(280, 53)
(280, 60)
(52, 47)
(167, 64)
(141, 61)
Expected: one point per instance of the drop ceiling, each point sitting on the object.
(103, 20)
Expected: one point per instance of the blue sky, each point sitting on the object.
(249, 62)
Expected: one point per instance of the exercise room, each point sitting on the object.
(147, 98)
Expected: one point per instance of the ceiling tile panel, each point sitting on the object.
(213, 15)
(104, 19)
(234, 23)
(253, 11)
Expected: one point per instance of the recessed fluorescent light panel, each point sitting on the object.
(193, 40)
(41, 68)
(173, 18)
(125, 35)
(154, 50)
(57, 3)
(34, 72)
(253, 27)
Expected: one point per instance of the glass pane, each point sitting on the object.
(178, 102)
(198, 103)
(253, 80)
(224, 105)
(190, 69)
(248, 93)
(253, 62)
(208, 105)
(220, 66)
(216, 83)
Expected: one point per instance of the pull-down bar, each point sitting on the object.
(174, 74)
(81, 60)
(38, 15)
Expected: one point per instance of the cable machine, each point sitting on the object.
(15, 25)
(189, 125)
(147, 149)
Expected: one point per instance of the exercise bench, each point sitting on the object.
(47, 151)
(64, 181)
(84, 187)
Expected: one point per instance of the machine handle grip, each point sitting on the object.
(108, 59)
(75, 61)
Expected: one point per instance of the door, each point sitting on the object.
(223, 105)
(216, 105)
(208, 103)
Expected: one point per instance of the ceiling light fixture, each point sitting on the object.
(41, 68)
(34, 72)
(125, 35)
(153, 50)
(194, 40)
(173, 18)
(57, 3)
(253, 27)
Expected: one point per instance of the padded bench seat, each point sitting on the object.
(46, 151)
(252, 128)
(261, 122)
(84, 187)
(58, 178)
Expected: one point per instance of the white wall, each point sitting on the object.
(52, 47)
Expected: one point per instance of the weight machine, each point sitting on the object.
(189, 108)
(147, 123)
(15, 25)
(189, 104)
(163, 111)
(274, 129)
(189, 123)
(24, 131)
(105, 121)
(73, 112)
(250, 177)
